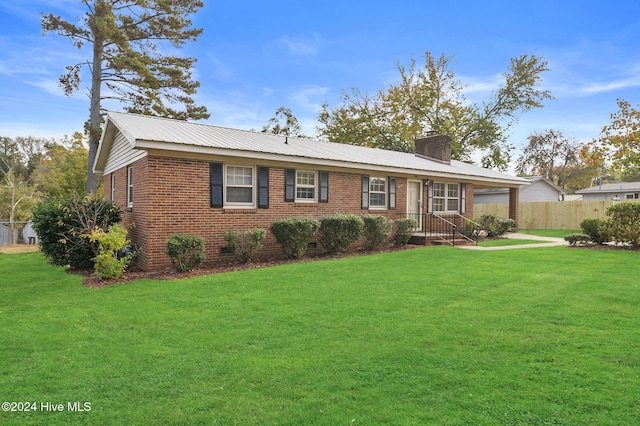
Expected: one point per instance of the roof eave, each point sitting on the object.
(265, 156)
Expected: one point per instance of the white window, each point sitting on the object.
(446, 197)
(377, 193)
(239, 186)
(305, 186)
(113, 187)
(631, 196)
(129, 186)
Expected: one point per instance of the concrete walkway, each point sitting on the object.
(551, 242)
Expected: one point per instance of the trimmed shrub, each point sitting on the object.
(494, 225)
(108, 265)
(623, 225)
(405, 228)
(186, 251)
(244, 243)
(63, 227)
(339, 231)
(295, 234)
(594, 229)
(376, 231)
(574, 239)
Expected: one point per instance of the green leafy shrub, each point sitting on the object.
(405, 228)
(339, 231)
(295, 234)
(623, 225)
(244, 243)
(108, 264)
(494, 225)
(186, 251)
(64, 225)
(574, 239)
(594, 229)
(376, 231)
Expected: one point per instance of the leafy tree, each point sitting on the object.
(62, 173)
(17, 195)
(10, 157)
(431, 98)
(290, 127)
(22, 154)
(551, 155)
(619, 144)
(32, 150)
(17, 198)
(576, 176)
(127, 38)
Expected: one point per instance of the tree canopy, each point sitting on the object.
(432, 98)
(552, 155)
(128, 39)
(618, 147)
(284, 123)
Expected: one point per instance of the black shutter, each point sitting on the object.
(216, 184)
(324, 187)
(289, 185)
(365, 192)
(392, 193)
(263, 187)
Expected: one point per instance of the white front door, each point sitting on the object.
(414, 201)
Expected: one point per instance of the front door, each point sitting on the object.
(414, 201)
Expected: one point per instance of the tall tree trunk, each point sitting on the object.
(95, 119)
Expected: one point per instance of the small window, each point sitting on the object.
(305, 186)
(239, 186)
(377, 193)
(129, 186)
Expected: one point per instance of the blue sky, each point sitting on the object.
(255, 56)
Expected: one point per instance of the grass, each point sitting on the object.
(19, 248)
(438, 336)
(507, 242)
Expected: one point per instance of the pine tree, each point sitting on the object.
(126, 39)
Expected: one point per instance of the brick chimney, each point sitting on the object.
(434, 147)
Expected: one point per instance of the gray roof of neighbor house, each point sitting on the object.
(148, 132)
(531, 179)
(611, 187)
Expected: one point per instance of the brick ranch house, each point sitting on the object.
(172, 176)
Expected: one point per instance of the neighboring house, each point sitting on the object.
(539, 189)
(171, 176)
(29, 234)
(612, 191)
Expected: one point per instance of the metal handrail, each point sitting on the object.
(469, 224)
(449, 228)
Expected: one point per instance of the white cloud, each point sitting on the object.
(306, 98)
(301, 45)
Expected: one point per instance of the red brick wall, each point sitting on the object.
(172, 196)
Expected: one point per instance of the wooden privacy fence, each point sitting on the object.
(549, 215)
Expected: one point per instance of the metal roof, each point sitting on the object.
(148, 132)
(611, 187)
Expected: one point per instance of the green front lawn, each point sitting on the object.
(424, 336)
(507, 242)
